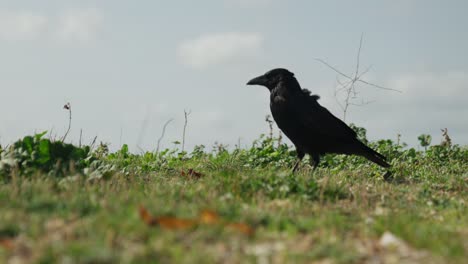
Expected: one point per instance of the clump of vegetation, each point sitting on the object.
(55, 158)
(63, 203)
(36, 154)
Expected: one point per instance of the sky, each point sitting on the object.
(127, 67)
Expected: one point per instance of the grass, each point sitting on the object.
(332, 216)
(63, 203)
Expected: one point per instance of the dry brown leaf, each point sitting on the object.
(206, 217)
(175, 223)
(165, 221)
(209, 217)
(191, 173)
(146, 216)
(241, 227)
(7, 244)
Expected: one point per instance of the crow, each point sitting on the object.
(311, 127)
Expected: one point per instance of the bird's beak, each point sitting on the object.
(260, 80)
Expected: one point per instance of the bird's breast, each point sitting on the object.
(286, 113)
(283, 114)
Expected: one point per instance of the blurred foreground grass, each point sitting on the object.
(61, 203)
(331, 217)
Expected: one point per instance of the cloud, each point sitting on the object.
(249, 3)
(21, 25)
(212, 49)
(448, 88)
(79, 24)
(72, 25)
(429, 102)
(403, 7)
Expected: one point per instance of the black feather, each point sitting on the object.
(310, 126)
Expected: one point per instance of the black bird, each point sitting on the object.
(310, 126)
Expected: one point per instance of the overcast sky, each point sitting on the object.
(127, 67)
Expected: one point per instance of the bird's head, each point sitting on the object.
(272, 78)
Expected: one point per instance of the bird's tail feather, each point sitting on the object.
(375, 157)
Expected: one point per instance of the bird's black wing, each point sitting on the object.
(315, 117)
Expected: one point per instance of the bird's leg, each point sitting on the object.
(300, 156)
(315, 162)
(296, 165)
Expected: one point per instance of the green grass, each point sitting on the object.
(326, 216)
(63, 203)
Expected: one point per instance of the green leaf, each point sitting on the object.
(124, 149)
(37, 137)
(44, 152)
(27, 144)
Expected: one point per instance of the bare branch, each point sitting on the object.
(280, 138)
(363, 103)
(338, 101)
(350, 88)
(333, 68)
(163, 132)
(358, 57)
(51, 138)
(364, 72)
(378, 86)
(142, 151)
(93, 142)
(186, 114)
(81, 136)
(144, 126)
(270, 125)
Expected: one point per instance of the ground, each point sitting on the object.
(231, 214)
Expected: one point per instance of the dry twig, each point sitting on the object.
(162, 134)
(186, 114)
(349, 87)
